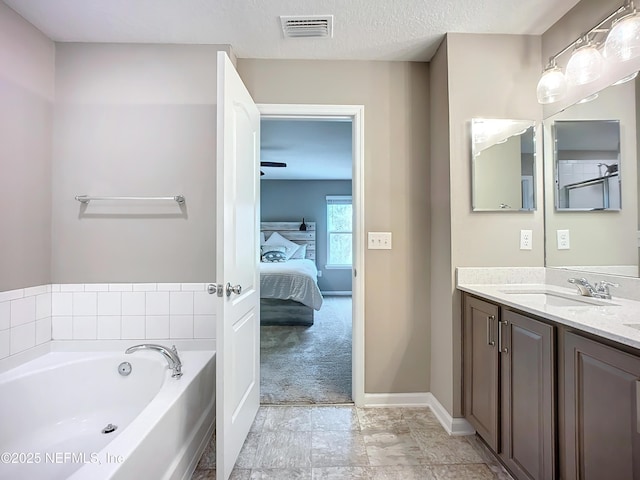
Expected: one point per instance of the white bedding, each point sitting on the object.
(291, 280)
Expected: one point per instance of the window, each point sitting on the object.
(339, 235)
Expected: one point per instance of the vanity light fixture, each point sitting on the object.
(585, 65)
(622, 31)
(552, 85)
(623, 41)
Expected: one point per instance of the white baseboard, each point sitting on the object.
(453, 426)
(338, 293)
(396, 399)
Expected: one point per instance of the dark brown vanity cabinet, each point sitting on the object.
(600, 438)
(527, 410)
(480, 365)
(509, 386)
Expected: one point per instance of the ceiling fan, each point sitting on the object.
(271, 164)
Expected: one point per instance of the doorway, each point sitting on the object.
(352, 115)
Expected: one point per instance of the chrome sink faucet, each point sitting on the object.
(599, 290)
(171, 355)
(602, 288)
(584, 287)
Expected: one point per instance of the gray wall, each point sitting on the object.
(134, 120)
(290, 200)
(441, 272)
(476, 238)
(395, 96)
(26, 102)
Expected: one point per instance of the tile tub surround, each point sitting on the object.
(118, 311)
(618, 320)
(150, 311)
(25, 319)
(339, 442)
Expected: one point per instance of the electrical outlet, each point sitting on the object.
(379, 240)
(319, 273)
(563, 240)
(526, 239)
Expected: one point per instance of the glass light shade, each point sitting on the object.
(585, 65)
(623, 41)
(552, 86)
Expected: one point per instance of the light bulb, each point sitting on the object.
(623, 41)
(552, 85)
(585, 65)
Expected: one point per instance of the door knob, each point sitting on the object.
(237, 289)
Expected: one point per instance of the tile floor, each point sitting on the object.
(345, 442)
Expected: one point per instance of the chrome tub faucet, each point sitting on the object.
(599, 290)
(171, 355)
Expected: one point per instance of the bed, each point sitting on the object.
(289, 292)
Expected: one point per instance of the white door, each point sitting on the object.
(238, 228)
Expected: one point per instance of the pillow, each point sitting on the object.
(277, 239)
(274, 257)
(262, 239)
(272, 248)
(301, 252)
(273, 253)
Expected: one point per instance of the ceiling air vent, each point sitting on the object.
(307, 25)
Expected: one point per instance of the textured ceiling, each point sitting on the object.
(363, 29)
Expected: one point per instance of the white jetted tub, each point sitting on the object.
(54, 409)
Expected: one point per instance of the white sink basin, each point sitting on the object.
(557, 299)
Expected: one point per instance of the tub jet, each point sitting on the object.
(124, 369)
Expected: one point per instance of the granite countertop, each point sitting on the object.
(617, 319)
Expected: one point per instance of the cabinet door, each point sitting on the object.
(481, 368)
(601, 438)
(527, 444)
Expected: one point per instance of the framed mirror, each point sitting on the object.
(503, 165)
(587, 164)
(593, 238)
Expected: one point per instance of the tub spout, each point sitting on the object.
(171, 355)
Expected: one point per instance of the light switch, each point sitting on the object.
(379, 240)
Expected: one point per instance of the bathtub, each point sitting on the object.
(53, 411)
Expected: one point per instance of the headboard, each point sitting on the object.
(291, 231)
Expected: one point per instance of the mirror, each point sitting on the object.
(503, 165)
(587, 164)
(604, 240)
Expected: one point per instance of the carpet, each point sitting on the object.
(308, 365)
